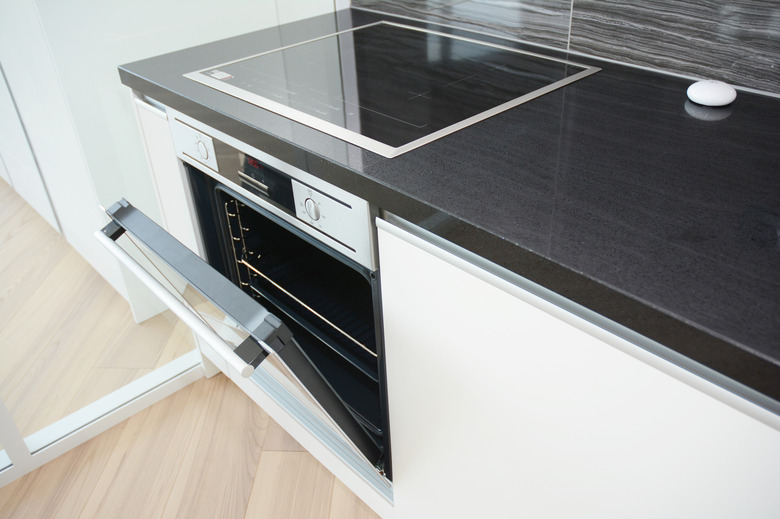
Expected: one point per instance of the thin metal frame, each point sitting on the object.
(361, 140)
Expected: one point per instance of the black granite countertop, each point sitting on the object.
(606, 191)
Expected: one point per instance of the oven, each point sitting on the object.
(282, 279)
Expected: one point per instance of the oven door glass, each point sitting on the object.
(236, 332)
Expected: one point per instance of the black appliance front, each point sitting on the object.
(326, 300)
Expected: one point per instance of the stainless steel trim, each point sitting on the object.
(253, 182)
(359, 245)
(361, 140)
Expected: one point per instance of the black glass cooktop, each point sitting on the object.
(390, 88)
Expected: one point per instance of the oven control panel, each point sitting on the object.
(194, 144)
(323, 212)
(336, 218)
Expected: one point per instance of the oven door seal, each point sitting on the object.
(268, 335)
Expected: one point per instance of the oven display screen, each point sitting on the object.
(265, 181)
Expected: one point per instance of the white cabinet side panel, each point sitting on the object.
(18, 160)
(498, 409)
(4, 171)
(171, 186)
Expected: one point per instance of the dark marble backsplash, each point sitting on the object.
(737, 42)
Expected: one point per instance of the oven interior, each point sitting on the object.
(327, 300)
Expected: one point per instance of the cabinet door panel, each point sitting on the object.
(17, 160)
(172, 189)
(498, 408)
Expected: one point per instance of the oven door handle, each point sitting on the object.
(268, 334)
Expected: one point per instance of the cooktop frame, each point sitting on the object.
(350, 136)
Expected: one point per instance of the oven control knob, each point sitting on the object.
(312, 209)
(203, 150)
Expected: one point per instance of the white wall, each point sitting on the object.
(60, 60)
(89, 38)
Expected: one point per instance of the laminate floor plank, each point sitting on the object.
(23, 257)
(20, 229)
(136, 346)
(222, 457)
(60, 323)
(197, 454)
(277, 439)
(290, 485)
(176, 343)
(66, 350)
(345, 504)
(141, 472)
(62, 487)
(44, 361)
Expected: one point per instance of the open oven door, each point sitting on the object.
(242, 338)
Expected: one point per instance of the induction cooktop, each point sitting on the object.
(390, 88)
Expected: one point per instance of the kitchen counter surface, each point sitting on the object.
(608, 192)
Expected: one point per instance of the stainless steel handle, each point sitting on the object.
(146, 105)
(253, 182)
(268, 333)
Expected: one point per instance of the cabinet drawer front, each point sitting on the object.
(502, 405)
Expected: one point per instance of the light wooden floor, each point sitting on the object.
(66, 337)
(206, 451)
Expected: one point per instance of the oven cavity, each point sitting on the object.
(326, 299)
(326, 296)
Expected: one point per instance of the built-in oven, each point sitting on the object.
(289, 264)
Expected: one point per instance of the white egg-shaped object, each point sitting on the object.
(711, 92)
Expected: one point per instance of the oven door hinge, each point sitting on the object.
(251, 352)
(272, 332)
(113, 230)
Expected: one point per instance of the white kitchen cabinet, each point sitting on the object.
(17, 162)
(505, 405)
(176, 213)
(4, 172)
